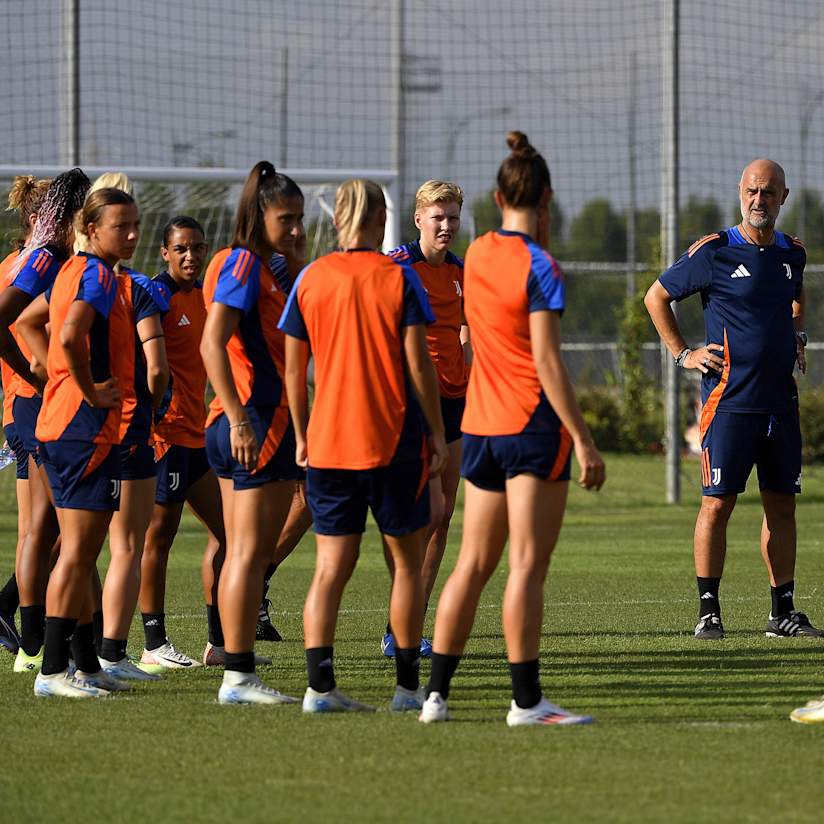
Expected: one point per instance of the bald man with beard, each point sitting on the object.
(750, 280)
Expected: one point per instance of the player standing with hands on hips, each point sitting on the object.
(750, 280)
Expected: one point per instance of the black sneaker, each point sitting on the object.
(265, 630)
(792, 625)
(709, 628)
(9, 638)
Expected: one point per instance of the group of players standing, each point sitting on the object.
(104, 375)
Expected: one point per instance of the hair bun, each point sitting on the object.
(20, 189)
(266, 169)
(519, 144)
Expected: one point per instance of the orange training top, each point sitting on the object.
(351, 307)
(507, 276)
(444, 287)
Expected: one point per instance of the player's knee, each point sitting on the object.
(717, 507)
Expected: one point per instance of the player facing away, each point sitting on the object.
(363, 317)
(521, 422)
(750, 281)
(250, 441)
(25, 196)
(438, 218)
(79, 431)
(183, 471)
(32, 273)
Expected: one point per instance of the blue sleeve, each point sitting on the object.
(98, 287)
(147, 297)
(280, 272)
(545, 285)
(38, 273)
(416, 308)
(238, 283)
(291, 321)
(689, 275)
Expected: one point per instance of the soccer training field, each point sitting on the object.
(685, 730)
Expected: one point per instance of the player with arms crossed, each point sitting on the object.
(750, 280)
(438, 217)
(520, 425)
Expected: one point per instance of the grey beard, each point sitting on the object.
(762, 223)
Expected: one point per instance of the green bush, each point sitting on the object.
(601, 408)
(812, 423)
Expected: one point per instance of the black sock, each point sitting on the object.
(215, 627)
(708, 596)
(154, 629)
(267, 577)
(57, 643)
(113, 649)
(240, 661)
(97, 630)
(10, 596)
(408, 665)
(782, 598)
(83, 650)
(526, 683)
(320, 669)
(32, 628)
(443, 668)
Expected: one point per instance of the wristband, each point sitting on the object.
(238, 425)
(682, 356)
(802, 337)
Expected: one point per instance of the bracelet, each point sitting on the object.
(238, 425)
(682, 356)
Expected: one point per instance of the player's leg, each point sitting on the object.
(297, 524)
(127, 536)
(254, 520)
(779, 477)
(484, 536)
(535, 513)
(32, 569)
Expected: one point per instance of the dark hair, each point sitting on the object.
(96, 202)
(264, 187)
(180, 222)
(25, 197)
(524, 176)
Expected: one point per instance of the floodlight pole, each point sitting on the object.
(70, 32)
(632, 117)
(669, 240)
(393, 224)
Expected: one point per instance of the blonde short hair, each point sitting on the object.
(438, 191)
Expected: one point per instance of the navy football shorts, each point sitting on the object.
(180, 468)
(83, 475)
(20, 455)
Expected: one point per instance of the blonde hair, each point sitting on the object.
(438, 191)
(355, 202)
(108, 180)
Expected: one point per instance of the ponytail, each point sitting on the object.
(25, 197)
(355, 202)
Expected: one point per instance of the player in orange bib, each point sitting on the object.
(79, 430)
(183, 471)
(249, 438)
(25, 197)
(521, 421)
(31, 275)
(363, 315)
(438, 217)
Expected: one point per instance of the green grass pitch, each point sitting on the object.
(685, 731)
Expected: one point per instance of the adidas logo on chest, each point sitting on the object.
(184, 321)
(741, 272)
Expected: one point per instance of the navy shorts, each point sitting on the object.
(398, 496)
(180, 468)
(83, 475)
(737, 441)
(25, 411)
(136, 462)
(20, 454)
(488, 460)
(280, 467)
(452, 410)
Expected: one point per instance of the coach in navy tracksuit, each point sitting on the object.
(750, 280)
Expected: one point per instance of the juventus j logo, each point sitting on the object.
(787, 271)
(458, 288)
(716, 475)
(174, 481)
(115, 489)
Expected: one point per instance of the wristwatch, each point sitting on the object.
(802, 336)
(682, 356)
